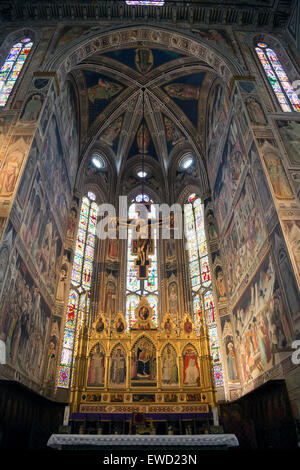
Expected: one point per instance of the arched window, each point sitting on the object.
(79, 296)
(12, 67)
(200, 277)
(135, 287)
(278, 79)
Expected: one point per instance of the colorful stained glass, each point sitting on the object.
(89, 252)
(12, 67)
(77, 263)
(194, 269)
(215, 355)
(81, 236)
(151, 282)
(81, 277)
(193, 252)
(87, 274)
(92, 224)
(133, 283)
(209, 307)
(200, 277)
(76, 277)
(284, 91)
(91, 196)
(142, 198)
(192, 197)
(195, 283)
(71, 309)
(90, 240)
(153, 301)
(213, 336)
(83, 222)
(218, 375)
(85, 207)
(68, 339)
(79, 248)
(131, 304)
(197, 304)
(66, 357)
(205, 273)
(64, 376)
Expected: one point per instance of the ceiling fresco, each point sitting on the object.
(143, 60)
(185, 91)
(143, 135)
(112, 87)
(100, 91)
(111, 135)
(172, 134)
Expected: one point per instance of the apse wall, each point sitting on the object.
(251, 192)
(32, 248)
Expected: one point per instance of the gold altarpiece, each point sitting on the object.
(143, 368)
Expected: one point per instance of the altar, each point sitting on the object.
(143, 368)
(142, 442)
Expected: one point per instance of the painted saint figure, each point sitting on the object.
(191, 374)
(231, 363)
(32, 109)
(118, 368)
(143, 361)
(280, 183)
(103, 90)
(183, 91)
(255, 111)
(169, 367)
(220, 284)
(143, 139)
(97, 368)
(188, 327)
(119, 326)
(110, 134)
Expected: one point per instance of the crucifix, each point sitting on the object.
(143, 246)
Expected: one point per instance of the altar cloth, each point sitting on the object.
(108, 441)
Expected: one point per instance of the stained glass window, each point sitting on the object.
(199, 270)
(136, 288)
(155, 3)
(80, 286)
(12, 67)
(278, 79)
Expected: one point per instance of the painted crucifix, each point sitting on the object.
(143, 245)
(142, 226)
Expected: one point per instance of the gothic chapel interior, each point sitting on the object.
(109, 108)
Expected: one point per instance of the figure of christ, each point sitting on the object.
(143, 250)
(143, 361)
(144, 247)
(118, 369)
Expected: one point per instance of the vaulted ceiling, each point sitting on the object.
(130, 94)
